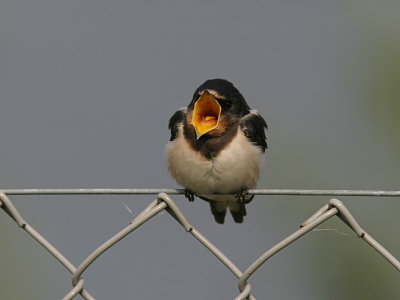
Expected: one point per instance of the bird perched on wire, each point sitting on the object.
(216, 148)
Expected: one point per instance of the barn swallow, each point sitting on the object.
(216, 148)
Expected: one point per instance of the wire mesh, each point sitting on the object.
(334, 207)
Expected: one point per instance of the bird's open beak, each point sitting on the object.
(206, 114)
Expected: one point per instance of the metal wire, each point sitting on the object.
(164, 202)
(295, 192)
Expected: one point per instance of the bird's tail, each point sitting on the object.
(218, 209)
(238, 210)
(236, 207)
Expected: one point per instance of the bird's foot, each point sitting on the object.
(189, 195)
(241, 196)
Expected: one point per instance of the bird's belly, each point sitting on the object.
(235, 168)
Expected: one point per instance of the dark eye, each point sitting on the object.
(226, 103)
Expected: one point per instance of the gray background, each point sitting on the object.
(86, 91)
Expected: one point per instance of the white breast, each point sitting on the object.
(236, 167)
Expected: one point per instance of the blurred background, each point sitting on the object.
(87, 89)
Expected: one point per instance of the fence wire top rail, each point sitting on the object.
(128, 191)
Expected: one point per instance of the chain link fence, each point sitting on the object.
(163, 201)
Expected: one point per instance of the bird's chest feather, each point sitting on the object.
(234, 168)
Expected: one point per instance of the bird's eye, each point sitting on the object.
(226, 103)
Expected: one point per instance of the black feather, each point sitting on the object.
(253, 127)
(219, 216)
(238, 215)
(176, 119)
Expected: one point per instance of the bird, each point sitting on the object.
(216, 148)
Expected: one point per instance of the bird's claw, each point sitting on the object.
(189, 195)
(241, 196)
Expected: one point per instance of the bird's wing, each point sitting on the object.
(253, 126)
(174, 122)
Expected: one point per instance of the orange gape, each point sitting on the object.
(206, 114)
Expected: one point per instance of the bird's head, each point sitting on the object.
(216, 105)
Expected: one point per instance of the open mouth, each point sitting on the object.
(206, 114)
